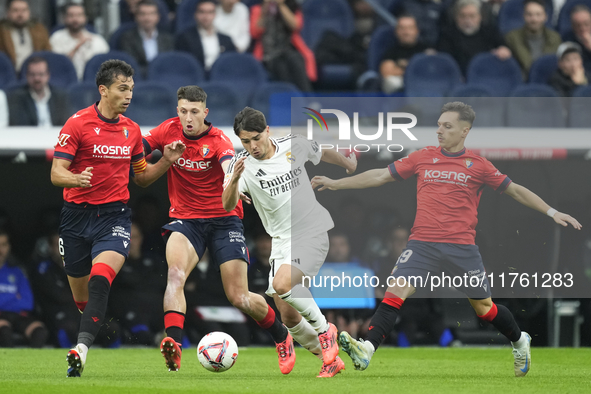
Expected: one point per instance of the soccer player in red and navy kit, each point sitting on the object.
(450, 180)
(92, 160)
(198, 221)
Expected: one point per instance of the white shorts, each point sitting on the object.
(307, 253)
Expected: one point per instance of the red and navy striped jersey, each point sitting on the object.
(195, 180)
(109, 146)
(449, 186)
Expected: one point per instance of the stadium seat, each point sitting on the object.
(323, 15)
(185, 15)
(348, 295)
(274, 100)
(471, 90)
(61, 68)
(511, 15)
(250, 3)
(499, 75)
(176, 69)
(535, 105)
(490, 111)
(431, 75)
(542, 69)
(7, 73)
(116, 35)
(563, 24)
(224, 102)
(241, 70)
(82, 95)
(93, 65)
(381, 39)
(152, 103)
(578, 112)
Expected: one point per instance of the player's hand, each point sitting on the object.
(563, 219)
(238, 169)
(84, 177)
(174, 151)
(323, 182)
(245, 198)
(352, 163)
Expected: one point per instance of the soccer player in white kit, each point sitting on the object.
(272, 172)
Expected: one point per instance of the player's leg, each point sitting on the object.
(182, 258)
(235, 281)
(503, 320)
(299, 328)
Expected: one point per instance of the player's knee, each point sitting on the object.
(176, 276)
(481, 307)
(281, 285)
(240, 301)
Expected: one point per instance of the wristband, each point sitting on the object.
(551, 212)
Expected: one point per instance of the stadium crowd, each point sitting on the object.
(48, 63)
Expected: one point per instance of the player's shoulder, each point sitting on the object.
(470, 154)
(241, 154)
(427, 151)
(218, 135)
(82, 116)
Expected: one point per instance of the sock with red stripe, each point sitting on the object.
(273, 326)
(503, 320)
(99, 286)
(383, 321)
(173, 324)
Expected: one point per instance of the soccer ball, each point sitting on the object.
(217, 351)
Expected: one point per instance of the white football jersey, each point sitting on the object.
(281, 191)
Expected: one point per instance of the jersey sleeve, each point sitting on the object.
(494, 178)
(242, 188)
(138, 159)
(311, 148)
(68, 142)
(225, 150)
(152, 139)
(404, 168)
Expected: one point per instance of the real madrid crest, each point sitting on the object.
(290, 158)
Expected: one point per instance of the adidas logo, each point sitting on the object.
(261, 173)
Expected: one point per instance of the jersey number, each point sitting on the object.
(61, 247)
(404, 256)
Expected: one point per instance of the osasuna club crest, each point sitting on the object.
(125, 132)
(205, 150)
(468, 163)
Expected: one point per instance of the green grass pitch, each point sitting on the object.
(392, 370)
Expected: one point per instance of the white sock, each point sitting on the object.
(301, 299)
(369, 346)
(305, 335)
(521, 342)
(82, 351)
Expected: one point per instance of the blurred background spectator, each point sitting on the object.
(570, 73)
(232, 18)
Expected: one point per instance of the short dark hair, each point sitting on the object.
(192, 93)
(4, 232)
(110, 70)
(9, 3)
(465, 112)
(579, 8)
(538, 2)
(203, 2)
(249, 119)
(67, 6)
(147, 2)
(37, 59)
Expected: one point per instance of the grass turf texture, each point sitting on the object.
(413, 370)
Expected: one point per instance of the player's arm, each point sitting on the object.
(148, 175)
(61, 176)
(371, 178)
(231, 193)
(331, 156)
(530, 199)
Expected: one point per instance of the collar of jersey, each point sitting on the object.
(101, 117)
(190, 137)
(450, 154)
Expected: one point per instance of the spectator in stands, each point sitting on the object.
(136, 295)
(19, 35)
(428, 13)
(534, 39)
(37, 103)
(147, 41)
(16, 302)
(468, 37)
(75, 41)
(398, 54)
(232, 19)
(571, 73)
(580, 18)
(3, 109)
(203, 41)
(53, 294)
(275, 27)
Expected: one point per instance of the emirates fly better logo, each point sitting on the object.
(345, 130)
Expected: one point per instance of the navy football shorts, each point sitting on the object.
(445, 260)
(88, 230)
(223, 237)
